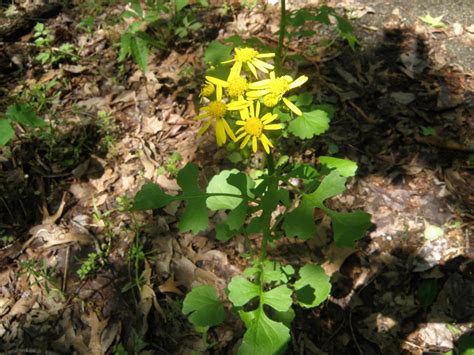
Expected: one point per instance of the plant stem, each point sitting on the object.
(281, 38)
(267, 215)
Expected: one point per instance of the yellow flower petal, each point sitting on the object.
(228, 130)
(265, 142)
(254, 144)
(244, 142)
(265, 55)
(263, 64)
(270, 118)
(217, 81)
(263, 137)
(236, 68)
(252, 69)
(299, 81)
(201, 116)
(259, 66)
(257, 93)
(257, 109)
(204, 128)
(292, 106)
(262, 84)
(273, 127)
(220, 132)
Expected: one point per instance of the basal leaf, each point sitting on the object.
(195, 217)
(149, 197)
(348, 227)
(309, 124)
(345, 167)
(24, 115)
(219, 184)
(241, 291)
(216, 53)
(202, 307)
(278, 298)
(139, 49)
(264, 336)
(6, 131)
(313, 286)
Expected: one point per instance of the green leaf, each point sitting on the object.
(278, 298)
(348, 227)
(309, 124)
(125, 50)
(149, 197)
(466, 344)
(436, 22)
(195, 217)
(300, 222)
(6, 132)
(220, 184)
(24, 115)
(216, 53)
(427, 292)
(229, 227)
(202, 307)
(313, 286)
(264, 336)
(345, 167)
(332, 185)
(139, 49)
(241, 291)
(181, 4)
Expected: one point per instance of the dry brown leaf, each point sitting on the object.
(170, 286)
(97, 327)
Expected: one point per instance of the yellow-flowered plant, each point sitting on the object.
(244, 90)
(247, 103)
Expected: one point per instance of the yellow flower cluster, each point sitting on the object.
(245, 96)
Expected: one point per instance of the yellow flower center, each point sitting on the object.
(245, 54)
(237, 86)
(217, 109)
(271, 100)
(254, 126)
(279, 86)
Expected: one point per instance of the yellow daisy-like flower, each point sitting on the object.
(216, 111)
(251, 58)
(236, 85)
(273, 89)
(253, 127)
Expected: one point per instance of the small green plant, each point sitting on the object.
(21, 114)
(297, 21)
(171, 165)
(5, 239)
(39, 273)
(44, 41)
(435, 22)
(155, 24)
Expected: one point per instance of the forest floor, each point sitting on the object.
(404, 111)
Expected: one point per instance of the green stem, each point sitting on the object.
(281, 38)
(267, 215)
